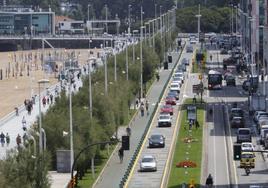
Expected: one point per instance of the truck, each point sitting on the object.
(257, 103)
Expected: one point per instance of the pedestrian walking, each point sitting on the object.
(128, 130)
(51, 98)
(7, 139)
(142, 110)
(2, 139)
(74, 86)
(211, 57)
(29, 108)
(137, 102)
(16, 111)
(147, 107)
(18, 140)
(121, 154)
(48, 100)
(44, 101)
(23, 123)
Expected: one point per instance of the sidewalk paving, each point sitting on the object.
(114, 171)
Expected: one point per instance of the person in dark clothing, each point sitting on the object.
(18, 140)
(121, 154)
(209, 180)
(2, 139)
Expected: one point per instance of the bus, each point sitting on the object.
(214, 80)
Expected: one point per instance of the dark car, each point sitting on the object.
(167, 109)
(237, 122)
(156, 140)
(230, 80)
(224, 51)
(185, 61)
(236, 112)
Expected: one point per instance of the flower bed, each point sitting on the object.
(186, 164)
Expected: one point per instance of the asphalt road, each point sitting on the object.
(220, 139)
(154, 179)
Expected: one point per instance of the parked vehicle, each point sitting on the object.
(173, 94)
(243, 135)
(175, 87)
(156, 140)
(148, 163)
(266, 141)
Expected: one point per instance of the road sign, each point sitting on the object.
(202, 37)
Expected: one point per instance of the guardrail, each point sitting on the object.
(136, 152)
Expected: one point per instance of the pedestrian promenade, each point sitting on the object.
(114, 170)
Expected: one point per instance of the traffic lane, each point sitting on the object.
(216, 147)
(258, 175)
(153, 179)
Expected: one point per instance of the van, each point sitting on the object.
(243, 135)
(264, 131)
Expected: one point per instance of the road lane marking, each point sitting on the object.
(214, 149)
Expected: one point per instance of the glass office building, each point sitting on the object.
(26, 21)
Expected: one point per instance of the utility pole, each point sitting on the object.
(106, 18)
(115, 71)
(127, 60)
(141, 38)
(198, 21)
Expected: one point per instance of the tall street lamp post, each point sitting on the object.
(141, 38)
(42, 81)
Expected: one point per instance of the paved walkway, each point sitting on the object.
(114, 170)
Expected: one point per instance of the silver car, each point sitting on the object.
(148, 164)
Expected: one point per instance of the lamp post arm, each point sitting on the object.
(84, 149)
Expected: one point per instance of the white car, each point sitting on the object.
(177, 80)
(247, 146)
(164, 120)
(179, 75)
(148, 163)
(175, 87)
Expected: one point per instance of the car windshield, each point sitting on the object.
(167, 106)
(147, 160)
(156, 137)
(244, 132)
(247, 145)
(164, 117)
(174, 85)
(247, 156)
(177, 79)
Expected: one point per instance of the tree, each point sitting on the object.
(22, 169)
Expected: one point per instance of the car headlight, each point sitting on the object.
(161, 142)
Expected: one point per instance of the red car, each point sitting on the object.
(167, 109)
(170, 100)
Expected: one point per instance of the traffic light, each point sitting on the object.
(125, 142)
(237, 152)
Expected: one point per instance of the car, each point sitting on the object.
(256, 113)
(224, 51)
(181, 68)
(179, 74)
(230, 80)
(189, 49)
(156, 140)
(173, 94)
(148, 163)
(170, 100)
(236, 112)
(177, 80)
(237, 122)
(185, 61)
(260, 114)
(243, 135)
(193, 39)
(167, 109)
(175, 87)
(247, 146)
(164, 120)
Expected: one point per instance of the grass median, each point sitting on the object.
(187, 150)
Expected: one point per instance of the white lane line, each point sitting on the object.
(226, 160)
(214, 149)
